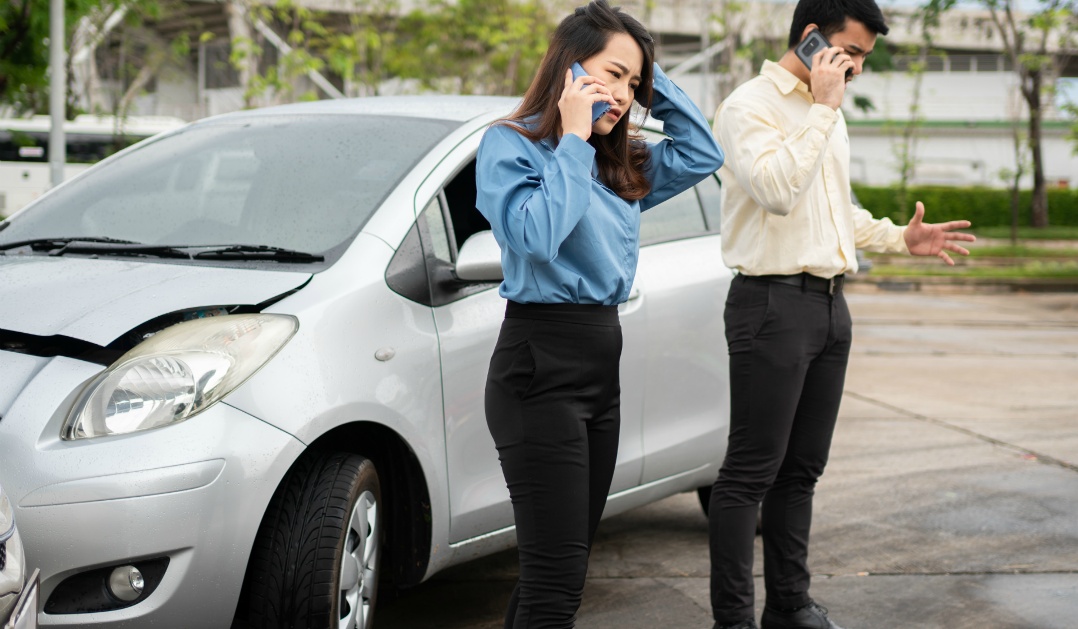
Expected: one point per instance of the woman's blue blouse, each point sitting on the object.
(565, 237)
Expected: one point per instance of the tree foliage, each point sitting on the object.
(24, 49)
(1034, 44)
(926, 21)
(474, 46)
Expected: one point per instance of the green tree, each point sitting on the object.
(474, 46)
(363, 50)
(254, 29)
(926, 20)
(24, 50)
(1032, 44)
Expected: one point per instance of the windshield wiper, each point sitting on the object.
(40, 244)
(121, 248)
(258, 252)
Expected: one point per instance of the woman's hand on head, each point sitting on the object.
(576, 101)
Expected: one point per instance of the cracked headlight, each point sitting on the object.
(177, 373)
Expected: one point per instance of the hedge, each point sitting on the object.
(984, 207)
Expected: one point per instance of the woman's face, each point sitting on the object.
(619, 65)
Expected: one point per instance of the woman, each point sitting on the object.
(563, 195)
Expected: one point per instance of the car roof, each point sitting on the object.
(457, 108)
(443, 107)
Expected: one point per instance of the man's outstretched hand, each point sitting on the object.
(935, 239)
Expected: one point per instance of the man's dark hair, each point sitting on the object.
(831, 15)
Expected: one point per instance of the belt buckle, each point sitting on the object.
(831, 286)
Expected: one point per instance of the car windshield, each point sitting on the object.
(301, 183)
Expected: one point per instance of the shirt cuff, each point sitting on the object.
(901, 245)
(822, 118)
(575, 146)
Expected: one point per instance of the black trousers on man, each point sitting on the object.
(789, 339)
(553, 404)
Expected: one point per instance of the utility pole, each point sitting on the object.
(705, 46)
(57, 92)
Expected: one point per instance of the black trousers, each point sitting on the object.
(789, 346)
(553, 401)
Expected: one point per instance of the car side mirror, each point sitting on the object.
(480, 259)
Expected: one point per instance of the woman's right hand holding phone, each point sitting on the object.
(828, 76)
(576, 100)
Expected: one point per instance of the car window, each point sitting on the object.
(710, 194)
(679, 217)
(434, 218)
(302, 182)
(460, 195)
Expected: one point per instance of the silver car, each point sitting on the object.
(18, 589)
(243, 366)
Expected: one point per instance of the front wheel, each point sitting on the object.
(315, 561)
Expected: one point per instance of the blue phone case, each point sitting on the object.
(597, 109)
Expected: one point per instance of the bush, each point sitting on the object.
(984, 207)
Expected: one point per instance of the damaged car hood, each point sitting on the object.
(97, 300)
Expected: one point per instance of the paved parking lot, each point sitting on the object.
(951, 499)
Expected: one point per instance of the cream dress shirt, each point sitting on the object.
(786, 205)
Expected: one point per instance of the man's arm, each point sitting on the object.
(877, 234)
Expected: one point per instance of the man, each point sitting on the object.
(791, 231)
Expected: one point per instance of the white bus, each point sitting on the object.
(24, 150)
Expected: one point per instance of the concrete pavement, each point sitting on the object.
(951, 498)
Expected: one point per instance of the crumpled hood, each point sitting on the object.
(99, 300)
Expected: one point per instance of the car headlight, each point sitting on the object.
(177, 373)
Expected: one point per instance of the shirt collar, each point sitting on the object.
(785, 80)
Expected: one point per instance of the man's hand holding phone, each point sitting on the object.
(580, 98)
(830, 68)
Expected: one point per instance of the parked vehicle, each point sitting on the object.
(18, 588)
(244, 366)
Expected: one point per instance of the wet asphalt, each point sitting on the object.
(950, 500)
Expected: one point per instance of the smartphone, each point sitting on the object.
(813, 43)
(597, 109)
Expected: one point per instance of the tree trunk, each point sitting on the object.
(241, 34)
(1039, 203)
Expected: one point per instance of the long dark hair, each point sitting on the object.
(622, 154)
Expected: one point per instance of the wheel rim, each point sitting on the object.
(359, 564)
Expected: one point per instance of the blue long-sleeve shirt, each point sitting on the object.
(566, 237)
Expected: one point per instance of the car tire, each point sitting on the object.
(315, 562)
(704, 494)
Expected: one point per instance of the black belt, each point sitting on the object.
(804, 281)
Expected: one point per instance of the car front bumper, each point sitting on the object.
(193, 493)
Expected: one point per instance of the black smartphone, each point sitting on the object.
(813, 43)
(597, 109)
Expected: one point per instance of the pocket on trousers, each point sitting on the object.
(748, 310)
(521, 372)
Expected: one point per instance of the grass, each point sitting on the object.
(1052, 232)
(1021, 251)
(1034, 269)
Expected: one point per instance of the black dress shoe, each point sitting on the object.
(811, 616)
(744, 624)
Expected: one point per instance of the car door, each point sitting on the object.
(468, 317)
(683, 283)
